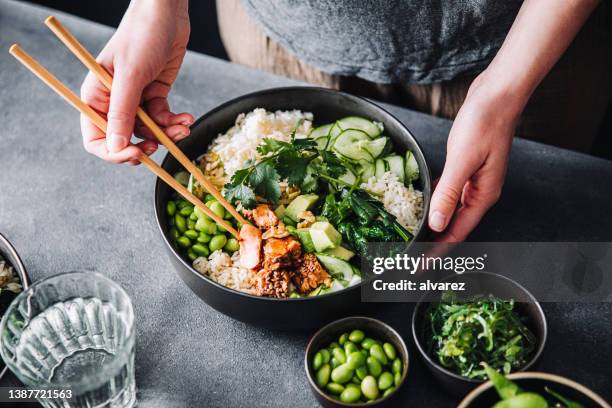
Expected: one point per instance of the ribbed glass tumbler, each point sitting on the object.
(72, 332)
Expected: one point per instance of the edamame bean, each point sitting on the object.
(180, 223)
(397, 379)
(342, 374)
(333, 345)
(388, 391)
(209, 203)
(355, 380)
(171, 221)
(191, 255)
(369, 387)
(218, 209)
(355, 359)
(232, 245)
(193, 216)
(389, 350)
(326, 356)
(397, 366)
(361, 372)
(350, 394)
(186, 211)
(334, 388)
(317, 361)
(183, 242)
(190, 224)
(180, 204)
(228, 215)
(170, 208)
(217, 242)
(322, 376)
(200, 249)
(377, 351)
(356, 336)
(374, 366)
(339, 354)
(203, 238)
(350, 347)
(174, 233)
(334, 362)
(191, 234)
(385, 380)
(202, 224)
(368, 342)
(209, 197)
(200, 214)
(343, 338)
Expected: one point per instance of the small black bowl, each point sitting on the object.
(486, 396)
(9, 253)
(480, 283)
(373, 328)
(327, 106)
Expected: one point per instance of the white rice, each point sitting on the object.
(225, 270)
(405, 203)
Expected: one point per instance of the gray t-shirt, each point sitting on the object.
(417, 41)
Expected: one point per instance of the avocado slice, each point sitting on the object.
(340, 252)
(324, 236)
(299, 204)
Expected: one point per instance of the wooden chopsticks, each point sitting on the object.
(90, 62)
(61, 89)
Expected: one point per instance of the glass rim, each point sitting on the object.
(87, 381)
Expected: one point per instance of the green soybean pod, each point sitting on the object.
(190, 224)
(180, 223)
(342, 374)
(397, 379)
(317, 361)
(334, 362)
(397, 366)
(339, 354)
(322, 376)
(343, 338)
(183, 242)
(350, 347)
(232, 245)
(326, 355)
(193, 216)
(356, 336)
(191, 234)
(368, 342)
(170, 208)
(355, 359)
(385, 380)
(389, 351)
(218, 209)
(377, 351)
(203, 238)
(191, 255)
(186, 211)
(388, 391)
(361, 372)
(334, 388)
(350, 394)
(369, 388)
(374, 366)
(200, 249)
(217, 242)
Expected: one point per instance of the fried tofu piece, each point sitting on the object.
(250, 246)
(280, 253)
(264, 217)
(272, 283)
(310, 274)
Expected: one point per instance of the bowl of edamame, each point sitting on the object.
(356, 362)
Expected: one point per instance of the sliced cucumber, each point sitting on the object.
(355, 280)
(322, 142)
(367, 170)
(336, 267)
(373, 129)
(348, 177)
(381, 167)
(351, 143)
(411, 168)
(378, 147)
(336, 286)
(396, 166)
(321, 131)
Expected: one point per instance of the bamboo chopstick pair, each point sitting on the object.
(89, 61)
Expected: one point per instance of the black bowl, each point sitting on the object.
(327, 106)
(485, 394)
(480, 283)
(373, 328)
(9, 253)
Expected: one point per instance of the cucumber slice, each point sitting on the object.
(321, 131)
(367, 170)
(351, 143)
(355, 280)
(322, 142)
(396, 166)
(378, 147)
(348, 177)
(336, 267)
(373, 129)
(380, 167)
(411, 168)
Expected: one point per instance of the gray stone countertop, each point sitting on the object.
(66, 210)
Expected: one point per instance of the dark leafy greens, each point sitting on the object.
(462, 335)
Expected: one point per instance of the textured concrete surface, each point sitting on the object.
(65, 210)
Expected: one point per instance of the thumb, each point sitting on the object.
(457, 170)
(124, 100)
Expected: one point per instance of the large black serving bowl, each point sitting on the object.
(327, 106)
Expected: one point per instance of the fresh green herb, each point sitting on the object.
(487, 329)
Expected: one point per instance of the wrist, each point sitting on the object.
(506, 98)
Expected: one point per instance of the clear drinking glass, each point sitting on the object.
(73, 331)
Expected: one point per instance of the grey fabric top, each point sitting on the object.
(419, 41)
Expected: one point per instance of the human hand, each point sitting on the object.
(477, 155)
(144, 56)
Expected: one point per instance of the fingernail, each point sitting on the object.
(187, 122)
(150, 150)
(437, 221)
(115, 142)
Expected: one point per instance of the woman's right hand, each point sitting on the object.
(144, 56)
